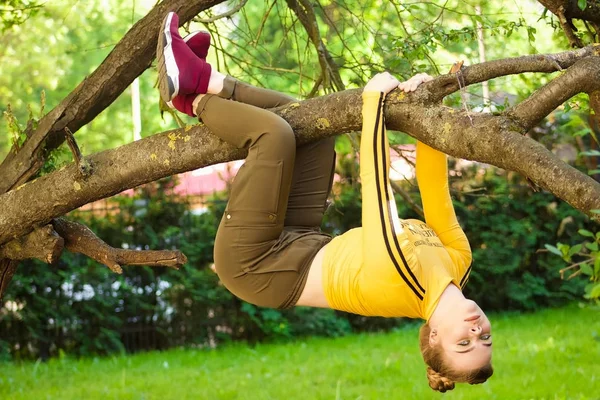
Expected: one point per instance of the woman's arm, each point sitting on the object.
(380, 223)
(432, 175)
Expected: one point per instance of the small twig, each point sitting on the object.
(572, 266)
(457, 69)
(264, 20)
(85, 168)
(226, 14)
(80, 239)
(73, 145)
(551, 58)
(354, 140)
(567, 26)
(315, 88)
(12, 10)
(573, 275)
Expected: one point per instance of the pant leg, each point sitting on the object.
(311, 184)
(314, 166)
(245, 93)
(253, 221)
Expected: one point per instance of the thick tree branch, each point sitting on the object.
(226, 14)
(447, 84)
(80, 239)
(496, 140)
(485, 139)
(568, 28)
(583, 76)
(130, 57)
(43, 243)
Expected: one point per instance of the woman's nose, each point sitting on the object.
(475, 329)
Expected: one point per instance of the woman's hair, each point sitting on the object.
(440, 374)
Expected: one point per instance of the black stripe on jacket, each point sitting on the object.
(377, 132)
(465, 278)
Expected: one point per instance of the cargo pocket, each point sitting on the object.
(255, 194)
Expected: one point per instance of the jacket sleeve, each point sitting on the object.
(432, 176)
(380, 223)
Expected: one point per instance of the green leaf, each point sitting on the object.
(594, 171)
(594, 293)
(592, 246)
(582, 4)
(563, 248)
(582, 132)
(586, 269)
(478, 19)
(531, 34)
(574, 250)
(553, 249)
(584, 232)
(590, 153)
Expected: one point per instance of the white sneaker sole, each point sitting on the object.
(169, 84)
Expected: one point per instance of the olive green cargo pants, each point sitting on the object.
(270, 231)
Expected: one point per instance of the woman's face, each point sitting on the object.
(465, 334)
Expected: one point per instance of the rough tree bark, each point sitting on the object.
(495, 139)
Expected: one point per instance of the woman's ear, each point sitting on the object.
(433, 337)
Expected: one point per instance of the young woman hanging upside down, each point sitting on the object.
(269, 250)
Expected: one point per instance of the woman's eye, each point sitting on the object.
(487, 336)
(464, 343)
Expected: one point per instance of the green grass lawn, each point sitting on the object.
(553, 354)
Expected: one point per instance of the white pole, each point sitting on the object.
(135, 109)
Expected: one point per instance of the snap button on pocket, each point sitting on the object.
(228, 216)
(271, 217)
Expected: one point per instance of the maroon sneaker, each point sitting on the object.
(199, 42)
(180, 71)
(184, 103)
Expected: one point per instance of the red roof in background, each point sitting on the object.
(212, 179)
(207, 180)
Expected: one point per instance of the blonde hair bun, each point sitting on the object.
(439, 382)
